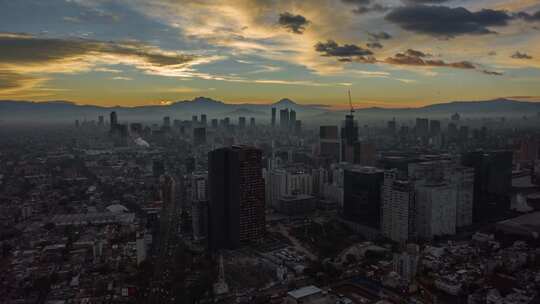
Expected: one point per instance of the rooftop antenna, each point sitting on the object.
(350, 103)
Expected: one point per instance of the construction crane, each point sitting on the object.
(350, 103)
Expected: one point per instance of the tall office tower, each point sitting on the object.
(199, 187)
(252, 122)
(168, 192)
(203, 120)
(292, 119)
(365, 153)
(199, 207)
(391, 126)
(273, 117)
(492, 182)
(114, 120)
(397, 208)
(237, 205)
(463, 179)
(77, 123)
(199, 219)
(463, 133)
(194, 119)
(166, 122)
(214, 123)
(199, 136)
(329, 142)
(227, 121)
(362, 195)
(435, 209)
(422, 127)
(284, 119)
(242, 122)
(349, 137)
(434, 127)
(452, 132)
(298, 127)
(101, 120)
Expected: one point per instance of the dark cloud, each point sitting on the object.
(529, 17)
(294, 23)
(519, 55)
(492, 73)
(374, 45)
(26, 49)
(344, 53)
(419, 58)
(446, 22)
(426, 1)
(380, 36)
(366, 6)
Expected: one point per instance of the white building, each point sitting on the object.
(406, 263)
(281, 182)
(199, 184)
(397, 208)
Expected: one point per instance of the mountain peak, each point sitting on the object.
(205, 99)
(285, 102)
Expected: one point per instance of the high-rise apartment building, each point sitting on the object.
(398, 208)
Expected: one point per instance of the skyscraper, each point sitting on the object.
(284, 119)
(292, 119)
(242, 122)
(252, 122)
(397, 208)
(101, 120)
(199, 136)
(349, 137)
(114, 120)
(329, 142)
(214, 123)
(166, 122)
(492, 182)
(273, 117)
(362, 195)
(422, 127)
(203, 120)
(237, 204)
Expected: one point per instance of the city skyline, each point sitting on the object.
(389, 53)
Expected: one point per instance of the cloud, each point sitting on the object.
(294, 23)
(366, 6)
(418, 58)
(519, 55)
(446, 22)
(23, 56)
(529, 17)
(380, 36)
(374, 45)
(122, 78)
(11, 82)
(426, 1)
(344, 53)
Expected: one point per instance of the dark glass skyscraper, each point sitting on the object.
(362, 195)
(492, 182)
(273, 117)
(236, 209)
(349, 137)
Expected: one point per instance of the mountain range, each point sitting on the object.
(17, 110)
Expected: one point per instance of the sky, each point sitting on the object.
(388, 53)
